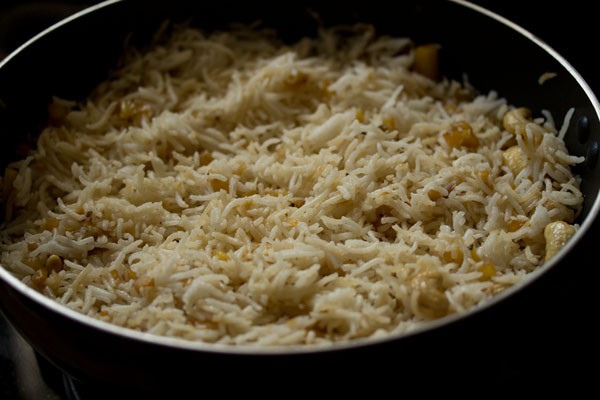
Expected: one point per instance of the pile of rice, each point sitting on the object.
(229, 188)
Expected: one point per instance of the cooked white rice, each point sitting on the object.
(228, 188)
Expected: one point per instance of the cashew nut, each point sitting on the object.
(515, 159)
(515, 120)
(557, 234)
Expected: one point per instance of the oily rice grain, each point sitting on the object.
(229, 188)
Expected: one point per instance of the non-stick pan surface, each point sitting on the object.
(71, 59)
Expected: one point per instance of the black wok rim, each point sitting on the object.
(183, 344)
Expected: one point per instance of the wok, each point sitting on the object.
(70, 58)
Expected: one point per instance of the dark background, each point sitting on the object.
(553, 339)
(570, 27)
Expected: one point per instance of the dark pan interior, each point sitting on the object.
(71, 60)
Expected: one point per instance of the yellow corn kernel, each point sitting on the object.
(487, 271)
(485, 176)
(132, 275)
(221, 255)
(49, 224)
(389, 124)
(128, 229)
(434, 195)
(217, 185)
(427, 59)
(360, 116)
(456, 258)
(514, 225)
(240, 170)
(460, 134)
(475, 256)
(247, 194)
(114, 274)
(206, 158)
(54, 263)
